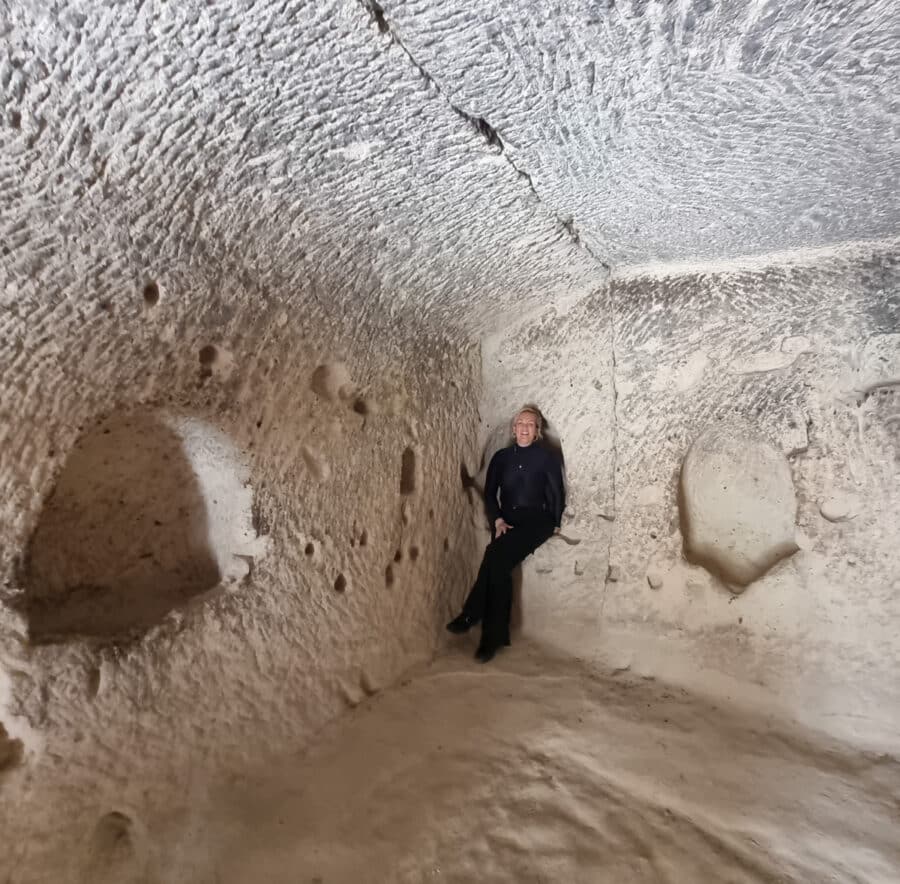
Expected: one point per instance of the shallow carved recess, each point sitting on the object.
(149, 511)
(738, 504)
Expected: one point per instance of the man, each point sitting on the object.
(528, 479)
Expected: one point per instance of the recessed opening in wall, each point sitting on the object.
(340, 583)
(207, 356)
(150, 511)
(309, 549)
(116, 851)
(408, 472)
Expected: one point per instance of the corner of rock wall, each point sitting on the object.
(808, 355)
(802, 351)
(561, 358)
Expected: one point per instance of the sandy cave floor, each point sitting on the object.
(538, 768)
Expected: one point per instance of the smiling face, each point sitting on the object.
(525, 427)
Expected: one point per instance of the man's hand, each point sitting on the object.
(500, 527)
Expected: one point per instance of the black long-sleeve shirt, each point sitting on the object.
(527, 479)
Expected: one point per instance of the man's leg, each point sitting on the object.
(473, 609)
(508, 550)
(495, 625)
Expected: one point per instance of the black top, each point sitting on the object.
(528, 479)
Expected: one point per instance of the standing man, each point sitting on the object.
(525, 497)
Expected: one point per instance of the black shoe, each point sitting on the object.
(459, 625)
(485, 653)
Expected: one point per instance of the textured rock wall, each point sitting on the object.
(291, 148)
(561, 359)
(806, 353)
(215, 221)
(797, 351)
(360, 557)
(260, 240)
(667, 131)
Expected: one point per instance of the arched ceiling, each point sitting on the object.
(288, 147)
(459, 164)
(683, 130)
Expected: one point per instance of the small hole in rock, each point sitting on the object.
(208, 354)
(398, 556)
(360, 406)
(408, 472)
(151, 294)
(340, 583)
(414, 552)
(309, 549)
(93, 682)
(364, 538)
(389, 576)
(446, 544)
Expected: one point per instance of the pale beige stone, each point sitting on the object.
(738, 504)
(303, 239)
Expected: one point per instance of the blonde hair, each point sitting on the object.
(535, 412)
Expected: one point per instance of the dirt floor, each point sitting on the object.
(541, 768)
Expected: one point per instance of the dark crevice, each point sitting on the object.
(480, 124)
(484, 128)
(615, 442)
(572, 230)
(377, 12)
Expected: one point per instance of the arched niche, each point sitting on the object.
(150, 511)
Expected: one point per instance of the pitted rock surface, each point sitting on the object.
(338, 244)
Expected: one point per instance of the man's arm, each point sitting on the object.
(492, 486)
(556, 489)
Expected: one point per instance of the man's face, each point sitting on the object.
(525, 427)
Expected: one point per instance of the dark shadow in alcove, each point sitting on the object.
(123, 537)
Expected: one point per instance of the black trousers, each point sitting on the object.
(490, 600)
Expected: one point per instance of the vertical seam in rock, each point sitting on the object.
(615, 444)
(482, 126)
